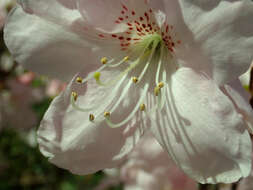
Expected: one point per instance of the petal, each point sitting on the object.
(58, 11)
(96, 12)
(73, 142)
(218, 26)
(202, 131)
(240, 98)
(47, 48)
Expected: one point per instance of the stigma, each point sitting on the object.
(148, 60)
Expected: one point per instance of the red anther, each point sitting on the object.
(150, 10)
(117, 22)
(122, 12)
(133, 13)
(141, 19)
(129, 24)
(126, 17)
(121, 38)
(128, 39)
(120, 18)
(147, 30)
(136, 39)
(144, 25)
(128, 33)
(114, 36)
(130, 28)
(179, 42)
(173, 44)
(123, 49)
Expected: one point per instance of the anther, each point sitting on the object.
(142, 107)
(91, 117)
(74, 95)
(157, 90)
(126, 58)
(97, 76)
(104, 60)
(135, 79)
(79, 80)
(161, 85)
(107, 114)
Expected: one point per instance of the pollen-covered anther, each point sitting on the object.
(142, 107)
(74, 95)
(104, 60)
(107, 114)
(157, 90)
(161, 85)
(126, 59)
(135, 79)
(91, 117)
(79, 80)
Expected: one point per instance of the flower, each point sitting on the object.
(168, 66)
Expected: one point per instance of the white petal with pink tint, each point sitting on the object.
(201, 128)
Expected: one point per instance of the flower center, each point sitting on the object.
(149, 50)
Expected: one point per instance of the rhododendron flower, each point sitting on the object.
(168, 66)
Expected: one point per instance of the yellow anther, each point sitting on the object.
(104, 60)
(126, 58)
(97, 75)
(135, 79)
(79, 80)
(91, 117)
(107, 114)
(74, 95)
(157, 90)
(142, 107)
(160, 85)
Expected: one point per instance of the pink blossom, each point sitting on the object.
(167, 66)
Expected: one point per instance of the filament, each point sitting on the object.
(131, 115)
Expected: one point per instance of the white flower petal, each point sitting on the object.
(73, 142)
(241, 98)
(223, 31)
(47, 48)
(202, 131)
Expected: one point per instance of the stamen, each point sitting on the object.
(91, 117)
(149, 59)
(79, 80)
(143, 95)
(126, 58)
(135, 79)
(74, 95)
(97, 78)
(142, 107)
(160, 85)
(104, 60)
(115, 89)
(107, 114)
(157, 90)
